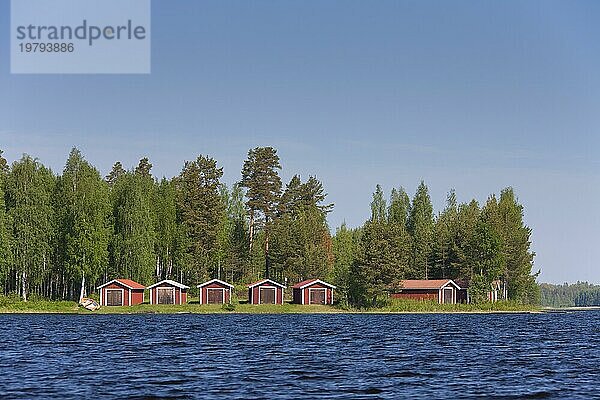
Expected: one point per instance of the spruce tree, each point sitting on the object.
(420, 226)
(378, 206)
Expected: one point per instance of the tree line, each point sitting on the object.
(471, 244)
(63, 234)
(580, 294)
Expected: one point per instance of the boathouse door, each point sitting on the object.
(114, 297)
(267, 295)
(215, 296)
(317, 296)
(165, 295)
(448, 296)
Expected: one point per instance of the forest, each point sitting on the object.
(61, 235)
(580, 294)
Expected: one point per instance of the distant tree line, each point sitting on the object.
(580, 294)
(62, 235)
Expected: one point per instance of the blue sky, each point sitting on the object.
(469, 95)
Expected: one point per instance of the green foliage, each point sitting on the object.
(261, 179)
(580, 294)
(301, 244)
(346, 248)
(29, 196)
(132, 244)
(167, 230)
(420, 227)
(83, 215)
(200, 211)
(60, 233)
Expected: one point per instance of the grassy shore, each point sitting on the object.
(11, 305)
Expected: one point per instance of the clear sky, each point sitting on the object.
(469, 95)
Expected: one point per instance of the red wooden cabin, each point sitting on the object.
(168, 292)
(215, 292)
(121, 292)
(313, 291)
(444, 291)
(265, 291)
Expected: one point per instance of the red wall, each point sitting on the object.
(137, 295)
(115, 285)
(298, 296)
(422, 294)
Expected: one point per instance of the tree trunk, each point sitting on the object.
(267, 261)
(82, 293)
(251, 230)
(24, 285)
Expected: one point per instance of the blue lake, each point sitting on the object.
(301, 356)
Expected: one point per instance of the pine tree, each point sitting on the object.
(261, 179)
(116, 172)
(200, 210)
(420, 226)
(301, 246)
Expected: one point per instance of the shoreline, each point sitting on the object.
(71, 308)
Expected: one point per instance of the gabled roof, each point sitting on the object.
(128, 283)
(169, 282)
(427, 283)
(257, 283)
(215, 281)
(309, 282)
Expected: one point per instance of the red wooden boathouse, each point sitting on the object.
(215, 292)
(313, 291)
(121, 292)
(168, 292)
(265, 291)
(444, 291)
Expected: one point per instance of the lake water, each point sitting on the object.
(300, 356)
